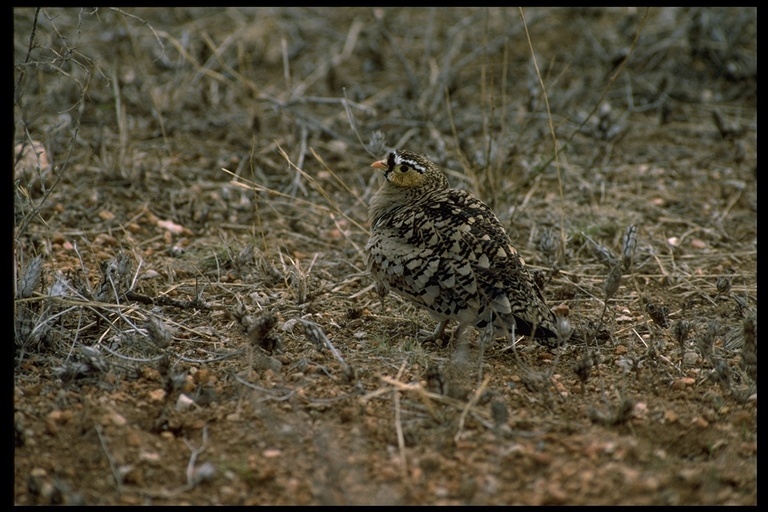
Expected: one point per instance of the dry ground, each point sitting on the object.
(193, 319)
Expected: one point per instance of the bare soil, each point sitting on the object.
(193, 322)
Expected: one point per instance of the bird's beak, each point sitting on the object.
(380, 164)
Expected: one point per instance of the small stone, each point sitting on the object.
(157, 395)
(184, 402)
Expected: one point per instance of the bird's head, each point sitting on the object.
(408, 170)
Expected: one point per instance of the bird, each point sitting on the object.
(445, 250)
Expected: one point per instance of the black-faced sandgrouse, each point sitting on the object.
(445, 250)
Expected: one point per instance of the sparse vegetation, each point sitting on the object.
(193, 323)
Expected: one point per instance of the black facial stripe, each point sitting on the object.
(391, 160)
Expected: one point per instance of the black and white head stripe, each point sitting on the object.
(404, 157)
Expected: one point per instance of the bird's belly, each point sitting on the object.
(445, 306)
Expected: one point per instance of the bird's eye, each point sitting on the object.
(403, 168)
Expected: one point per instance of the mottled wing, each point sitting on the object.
(411, 250)
(503, 281)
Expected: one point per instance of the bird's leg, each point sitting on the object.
(486, 338)
(460, 352)
(382, 292)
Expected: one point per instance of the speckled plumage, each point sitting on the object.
(446, 251)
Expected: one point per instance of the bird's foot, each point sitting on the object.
(440, 340)
(436, 337)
